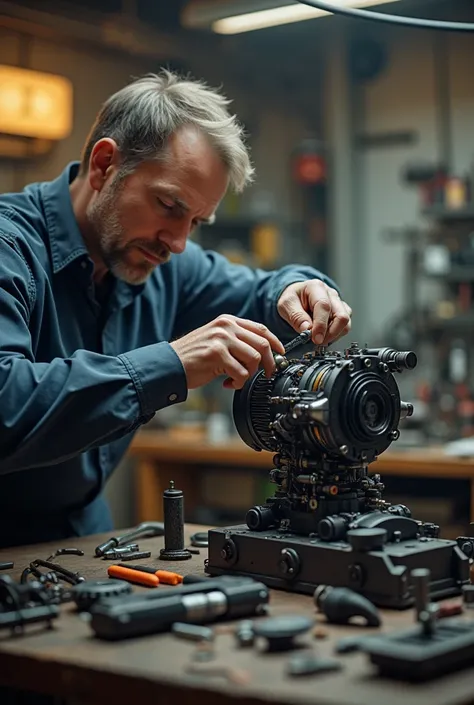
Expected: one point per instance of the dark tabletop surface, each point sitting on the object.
(68, 660)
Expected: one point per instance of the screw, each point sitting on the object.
(244, 633)
(355, 574)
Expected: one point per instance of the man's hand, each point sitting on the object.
(313, 304)
(229, 346)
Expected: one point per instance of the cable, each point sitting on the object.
(390, 19)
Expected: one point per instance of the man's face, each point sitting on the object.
(140, 220)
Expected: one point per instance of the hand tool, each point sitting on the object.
(143, 530)
(164, 576)
(133, 576)
(155, 611)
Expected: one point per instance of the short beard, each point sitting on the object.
(111, 238)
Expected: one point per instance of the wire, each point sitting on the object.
(390, 19)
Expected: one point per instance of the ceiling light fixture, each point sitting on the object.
(286, 14)
(34, 104)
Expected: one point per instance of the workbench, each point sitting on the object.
(159, 457)
(69, 661)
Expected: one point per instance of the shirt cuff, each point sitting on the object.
(158, 376)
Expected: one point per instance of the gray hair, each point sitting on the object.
(143, 115)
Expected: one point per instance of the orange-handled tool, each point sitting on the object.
(165, 576)
(133, 576)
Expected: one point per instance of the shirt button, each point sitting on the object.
(172, 397)
(83, 264)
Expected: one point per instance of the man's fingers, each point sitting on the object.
(260, 330)
(237, 371)
(321, 303)
(344, 332)
(292, 309)
(262, 346)
(244, 358)
(340, 319)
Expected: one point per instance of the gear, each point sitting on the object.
(88, 593)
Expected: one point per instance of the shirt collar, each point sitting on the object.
(67, 243)
(65, 237)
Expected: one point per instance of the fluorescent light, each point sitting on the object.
(280, 15)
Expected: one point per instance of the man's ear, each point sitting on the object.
(103, 162)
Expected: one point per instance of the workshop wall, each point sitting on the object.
(94, 75)
(405, 97)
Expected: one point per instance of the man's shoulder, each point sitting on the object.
(22, 219)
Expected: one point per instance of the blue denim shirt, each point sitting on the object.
(75, 380)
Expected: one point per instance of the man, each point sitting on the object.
(97, 276)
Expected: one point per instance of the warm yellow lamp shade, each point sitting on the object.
(34, 104)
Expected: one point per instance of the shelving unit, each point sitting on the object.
(437, 320)
(448, 329)
(449, 215)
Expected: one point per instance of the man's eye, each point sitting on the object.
(164, 205)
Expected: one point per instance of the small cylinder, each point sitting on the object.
(173, 512)
(421, 585)
(192, 632)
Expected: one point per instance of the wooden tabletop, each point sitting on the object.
(179, 448)
(69, 661)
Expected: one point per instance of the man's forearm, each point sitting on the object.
(50, 412)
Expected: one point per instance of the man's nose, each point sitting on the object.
(175, 237)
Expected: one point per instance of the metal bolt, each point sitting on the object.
(343, 450)
(355, 574)
(367, 362)
(421, 589)
(281, 362)
(192, 632)
(244, 633)
(395, 435)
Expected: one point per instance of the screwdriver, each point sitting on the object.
(300, 339)
(281, 361)
(133, 576)
(164, 576)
